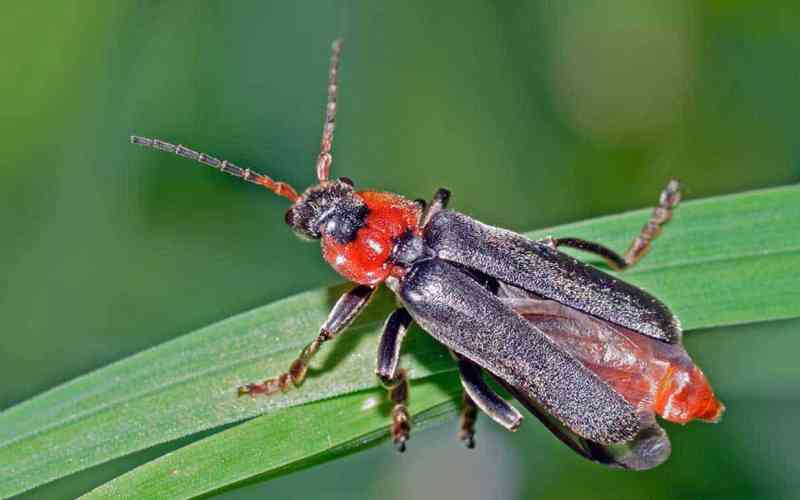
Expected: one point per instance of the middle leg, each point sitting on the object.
(393, 378)
(469, 414)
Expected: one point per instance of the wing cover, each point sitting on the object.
(647, 449)
(537, 268)
(467, 318)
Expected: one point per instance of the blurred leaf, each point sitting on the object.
(722, 261)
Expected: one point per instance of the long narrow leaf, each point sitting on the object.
(722, 261)
(259, 448)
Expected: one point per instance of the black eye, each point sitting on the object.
(346, 180)
(290, 217)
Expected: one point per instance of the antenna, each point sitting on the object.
(325, 159)
(279, 188)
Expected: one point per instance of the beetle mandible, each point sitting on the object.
(593, 357)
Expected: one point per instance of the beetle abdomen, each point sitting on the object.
(651, 375)
(685, 394)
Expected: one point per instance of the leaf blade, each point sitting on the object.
(256, 448)
(723, 261)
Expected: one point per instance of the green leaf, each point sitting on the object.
(259, 449)
(722, 261)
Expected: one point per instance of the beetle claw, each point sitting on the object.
(244, 390)
(468, 440)
(401, 427)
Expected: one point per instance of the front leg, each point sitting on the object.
(394, 379)
(340, 317)
(439, 203)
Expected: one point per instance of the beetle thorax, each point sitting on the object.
(360, 231)
(368, 258)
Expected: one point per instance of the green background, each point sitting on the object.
(532, 113)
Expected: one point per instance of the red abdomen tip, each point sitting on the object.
(685, 395)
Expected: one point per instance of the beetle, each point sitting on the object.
(593, 357)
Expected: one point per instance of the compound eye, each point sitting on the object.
(346, 180)
(289, 218)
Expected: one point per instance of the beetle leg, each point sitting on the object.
(438, 203)
(670, 197)
(392, 378)
(662, 213)
(469, 414)
(394, 330)
(612, 258)
(401, 422)
(343, 313)
(476, 389)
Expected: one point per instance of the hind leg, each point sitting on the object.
(477, 394)
(662, 213)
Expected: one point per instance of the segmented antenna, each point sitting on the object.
(279, 188)
(325, 159)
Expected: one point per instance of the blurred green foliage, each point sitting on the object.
(532, 113)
